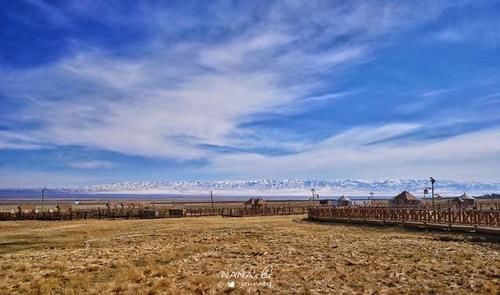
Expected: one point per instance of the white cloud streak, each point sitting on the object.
(168, 102)
(12, 140)
(350, 155)
(91, 164)
(173, 98)
(11, 178)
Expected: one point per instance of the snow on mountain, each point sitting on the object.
(288, 187)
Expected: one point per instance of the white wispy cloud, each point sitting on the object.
(90, 164)
(423, 100)
(39, 178)
(13, 140)
(437, 92)
(350, 155)
(172, 98)
(168, 102)
(492, 98)
(471, 31)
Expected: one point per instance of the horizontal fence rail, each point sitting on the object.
(144, 213)
(471, 217)
(240, 212)
(449, 217)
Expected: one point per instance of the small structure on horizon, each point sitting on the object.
(463, 201)
(459, 202)
(255, 203)
(343, 201)
(405, 198)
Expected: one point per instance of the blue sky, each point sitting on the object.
(105, 91)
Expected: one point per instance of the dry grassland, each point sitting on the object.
(201, 255)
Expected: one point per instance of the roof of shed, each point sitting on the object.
(406, 196)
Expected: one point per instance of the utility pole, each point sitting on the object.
(426, 191)
(212, 199)
(313, 191)
(43, 190)
(432, 190)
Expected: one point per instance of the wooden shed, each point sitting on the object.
(405, 198)
(463, 201)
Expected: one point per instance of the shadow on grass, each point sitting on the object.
(435, 234)
(16, 243)
(7, 247)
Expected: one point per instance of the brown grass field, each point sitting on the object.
(201, 255)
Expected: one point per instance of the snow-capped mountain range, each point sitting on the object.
(285, 187)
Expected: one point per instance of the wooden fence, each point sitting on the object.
(142, 213)
(94, 213)
(449, 217)
(240, 212)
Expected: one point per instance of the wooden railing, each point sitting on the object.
(93, 213)
(141, 213)
(490, 218)
(239, 212)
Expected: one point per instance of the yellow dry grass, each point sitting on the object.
(196, 255)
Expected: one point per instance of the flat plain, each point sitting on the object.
(269, 255)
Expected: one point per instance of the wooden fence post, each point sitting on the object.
(449, 218)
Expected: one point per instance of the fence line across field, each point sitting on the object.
(421, 216)
(141, 213)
